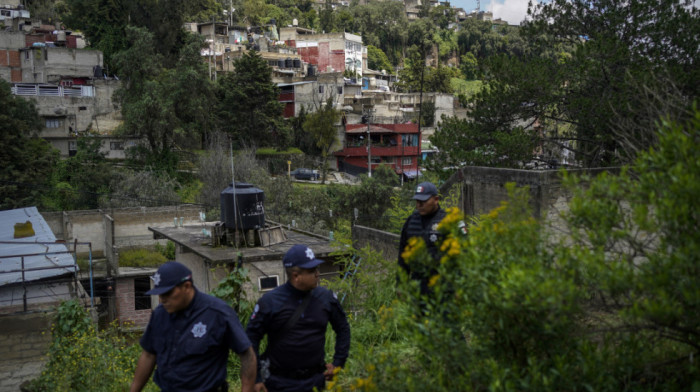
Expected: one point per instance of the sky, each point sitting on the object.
(513, 11)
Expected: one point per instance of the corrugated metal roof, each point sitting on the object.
(40, 260)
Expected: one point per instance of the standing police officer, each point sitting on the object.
(423, 223)
(295, 317)
(189, 336)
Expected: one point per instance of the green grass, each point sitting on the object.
(141, 258)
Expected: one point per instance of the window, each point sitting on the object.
(5, 12)
(116, 145)
(406, 161)
(53, 123)
(141, 286)
(340, 89)
(268, 282)
(320, 89)
(376, 160)
(409, 140)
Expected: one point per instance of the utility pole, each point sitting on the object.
(369, 141)
(213, 43)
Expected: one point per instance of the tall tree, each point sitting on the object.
(248, 104)
(166, 107)
(26, 162)
(321, 124)
(582, 74)
(81, 181)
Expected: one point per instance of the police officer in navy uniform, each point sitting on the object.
(189, 337)
(423, 223)
(295, 357)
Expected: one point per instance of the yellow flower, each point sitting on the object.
(433, 280)
(453, 216)
(493, 214)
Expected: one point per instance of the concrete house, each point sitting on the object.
(330, 52)
(396, 145)
(210, 264)
(67, 83)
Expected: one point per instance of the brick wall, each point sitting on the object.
(24, 341)
(13, 58)
(16, 76)
(126, 312)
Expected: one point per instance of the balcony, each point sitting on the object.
(52, 91)
(396, 151)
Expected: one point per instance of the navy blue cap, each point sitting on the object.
(424, 191)
(168, 276)
(300, 256)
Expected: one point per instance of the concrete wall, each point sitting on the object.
(24, 340)
(82, 114)
(379, 241)
(478, 190)
(49, 65)
(129, 226)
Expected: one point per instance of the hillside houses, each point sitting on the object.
(73, 91)
(67, 83)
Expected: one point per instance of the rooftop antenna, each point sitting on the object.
(478, 5)
(233, 184)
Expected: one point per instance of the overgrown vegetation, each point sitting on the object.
(609, 304)
(81, 358)
(141, 257)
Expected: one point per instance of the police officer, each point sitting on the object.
(423, 223)
(189, 337)
(295, 317)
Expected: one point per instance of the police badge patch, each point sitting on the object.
(156, 279)
(199, 330)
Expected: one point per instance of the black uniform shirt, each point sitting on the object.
(192, 345)
(302, 347)
(424, 227)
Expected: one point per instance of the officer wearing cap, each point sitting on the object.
(294, 317)
(423, 223)
(189, 337)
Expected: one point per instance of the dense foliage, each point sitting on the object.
(610, 303)
(596, 76)
(81, 358)
(26, 162)
(248, 107)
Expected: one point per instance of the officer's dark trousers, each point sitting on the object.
(281, 384)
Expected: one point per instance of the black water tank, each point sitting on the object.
(297, 63)
(288, 63)
(249, 204)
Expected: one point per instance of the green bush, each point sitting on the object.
(168, 251)
(609, 303)
(82, 359)
(141, 258)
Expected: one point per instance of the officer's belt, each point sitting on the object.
(297, 374)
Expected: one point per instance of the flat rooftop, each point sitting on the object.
(194, 239)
